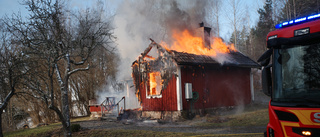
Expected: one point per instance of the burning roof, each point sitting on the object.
(234, 59)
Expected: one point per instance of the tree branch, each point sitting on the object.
(58, 74)
(78, 69)
(6, 100)
(78, 63)
(26, 93)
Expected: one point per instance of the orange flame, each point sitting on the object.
(186, 42)
(155, 83)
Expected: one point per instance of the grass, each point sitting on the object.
(144, 133)
(39, 131)
(232, 135)
(252, 118)
(128, 133)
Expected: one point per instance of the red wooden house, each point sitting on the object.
(164, 83)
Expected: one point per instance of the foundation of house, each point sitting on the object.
(163, 115)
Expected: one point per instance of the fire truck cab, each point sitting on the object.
(292, 79)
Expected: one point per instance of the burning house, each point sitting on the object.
(178, 79)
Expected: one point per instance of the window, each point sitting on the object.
(297, 73)
(155, 85)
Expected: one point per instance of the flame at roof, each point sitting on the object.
(187, 42)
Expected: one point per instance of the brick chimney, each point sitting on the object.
(204, 32)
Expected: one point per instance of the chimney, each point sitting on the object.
(204, 32)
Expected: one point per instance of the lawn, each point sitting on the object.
(248, 118)
(128, 133)
(252, 118)
(39, 131)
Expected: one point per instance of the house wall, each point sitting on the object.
(168, 101)
(95, 108)
(217, 86)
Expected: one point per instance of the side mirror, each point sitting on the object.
(267, 80)
(266, 72)
(265, 57)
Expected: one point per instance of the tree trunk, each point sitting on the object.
(294, 8)
(235, 24)
(218, 29)
(64, 115)
(318, 5)
(65, 107)
(3, 106)
(289, 10)
(64, 122)
(1, 134)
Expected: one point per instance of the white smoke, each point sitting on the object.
(131, 101)
(136, 21)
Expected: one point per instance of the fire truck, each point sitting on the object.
(292, 79)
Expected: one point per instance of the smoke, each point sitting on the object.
(137, 21)
(127, 91)
(187, 16)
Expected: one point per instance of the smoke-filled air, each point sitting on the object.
(173, 24)
(167, 22)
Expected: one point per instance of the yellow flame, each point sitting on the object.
(186, 42)
(155, 81)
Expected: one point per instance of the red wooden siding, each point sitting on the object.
(168, 102)
(217, 87)
(95, 108)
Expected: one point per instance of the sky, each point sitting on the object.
(251, 5)
(133, 29)
(7, 7)
(10, 6)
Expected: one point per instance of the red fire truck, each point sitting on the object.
(292, 79)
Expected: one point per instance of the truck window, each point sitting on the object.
(299, 67)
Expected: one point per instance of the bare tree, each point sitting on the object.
(292, 9)
(63, 44)
(278, 6)
(13, 68)
(237, 13)
(214, 15)
(85, 84)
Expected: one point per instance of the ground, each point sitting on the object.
(248, 120)
(252, 122)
